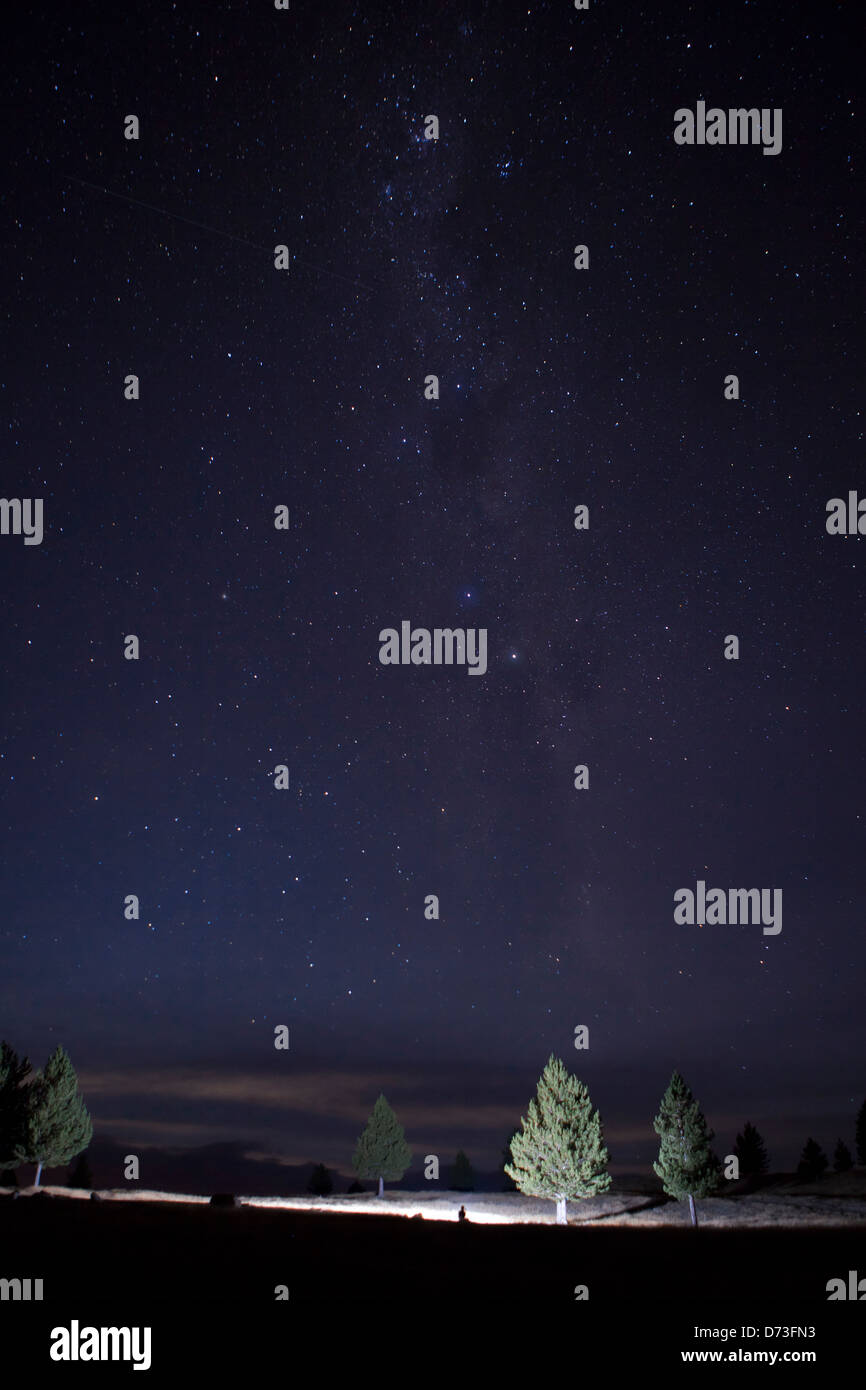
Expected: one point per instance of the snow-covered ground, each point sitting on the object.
(785, 1204)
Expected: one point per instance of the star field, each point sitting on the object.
(413, 257)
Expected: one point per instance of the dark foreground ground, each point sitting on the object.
(167, 1251)
(186, 1268)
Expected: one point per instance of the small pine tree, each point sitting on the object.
(9, 1178)
(813, 1161)
(860, 1134)
(80, 1174)
(560, 1152)
(56, 1124)
(382, 1151)
(355, 1186)
(462, 1174)
(842, 1159)
(686, 1163)
(751, 1152)
(320, 1184)
(13, 1103)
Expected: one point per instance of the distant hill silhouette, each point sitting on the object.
(223, 1167)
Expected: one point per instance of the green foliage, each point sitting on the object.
(56, 1123)
(686, 1164)
(842, 1159)
(382, 1151)
(751, 1151)
(813, 1161)
(13, 1103)
(462, 1174)
(560, 1151)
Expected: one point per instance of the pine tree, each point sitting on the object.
(560, 1152)
(686, 1164)
(320, 1184)
(842, 1159)
(751, 1152)
(462, 1174)
(813, 1161)
(79, 1174)
(13, 1103)
(860, 1134)
(382, 1151)
(56, 1124)
(9, 1178)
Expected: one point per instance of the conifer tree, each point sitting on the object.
(560, 1151)
(813, 1161)
(751, 1152)
(382, 1151)
(462, 1174)
(842, 1159)
(860, 1134)
(686, 1163)
(56, 1123)
(321, 1183)
(13, 1103)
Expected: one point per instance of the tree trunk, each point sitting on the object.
(381, 1187)
(692, 1211)
(38, 1174)
(561, 1218)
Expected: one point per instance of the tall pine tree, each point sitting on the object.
(560, 1151)
(751, 1152)
(13, 1103)
(56, 1123)
(860, 1134)
(382, 1151)
(686, 1164)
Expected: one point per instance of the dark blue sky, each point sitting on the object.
(260, 647)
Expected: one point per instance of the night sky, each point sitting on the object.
(305, 388)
